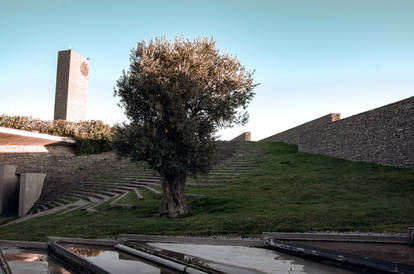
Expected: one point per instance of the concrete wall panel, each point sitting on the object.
(31, 185)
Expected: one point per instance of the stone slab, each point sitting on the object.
(31, 185)
(254, 242)
(337, 237)
(23, 244)
(346, 260)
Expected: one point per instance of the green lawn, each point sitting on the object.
(288, 191)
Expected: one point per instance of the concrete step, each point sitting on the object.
(119, 187)
(202, 185)
(212, 180)
(139, 195)
(62, 201)
(116, 191)
(153, 180)
(217, 177)
(111, 193)
(101, 190)
(81, 197)
(156, 192)
(92, 194)
(148, 184)
(55, 203)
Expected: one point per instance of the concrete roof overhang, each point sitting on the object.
(9, 136)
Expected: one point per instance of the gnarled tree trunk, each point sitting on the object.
(173, 202)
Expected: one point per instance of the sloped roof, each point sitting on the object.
(10, 136)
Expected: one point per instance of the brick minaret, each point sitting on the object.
(71, 86)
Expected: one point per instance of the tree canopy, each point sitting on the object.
(176, 96)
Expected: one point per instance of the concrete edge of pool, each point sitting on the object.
(133, 244)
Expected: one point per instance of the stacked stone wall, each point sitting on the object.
(64, 170)
(384, 135)
(291, 136)
(245, 136)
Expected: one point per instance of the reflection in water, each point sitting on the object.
(25, 257)
(85, 252)
(117, 262)
(23, 261)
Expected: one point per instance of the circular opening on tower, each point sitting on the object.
(84, 69)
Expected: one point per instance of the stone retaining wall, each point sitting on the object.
(291, 136)
(245, 136)
(383, 135)
(64, 170)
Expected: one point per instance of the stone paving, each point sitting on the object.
(123, 177)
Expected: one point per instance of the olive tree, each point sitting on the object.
(176, 96)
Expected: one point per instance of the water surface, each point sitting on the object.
(115, 261)
(33, 261)
(239, 259)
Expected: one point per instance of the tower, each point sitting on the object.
(71, 86)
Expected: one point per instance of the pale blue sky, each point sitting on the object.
(312, 57)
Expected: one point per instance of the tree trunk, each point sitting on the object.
(173, 202)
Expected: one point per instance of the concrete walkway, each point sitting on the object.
(46, 212)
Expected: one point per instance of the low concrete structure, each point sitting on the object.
(18, 192)
(31, 185)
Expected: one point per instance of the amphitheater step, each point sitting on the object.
(202, 185)
(156, 192)
(118, 177)
(139, 195)
(80, 197)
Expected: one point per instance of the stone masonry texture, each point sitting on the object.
(71, 86)
(291, 136)
(245, 136)
(64, 170)
(384, 135)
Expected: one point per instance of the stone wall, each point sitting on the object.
(291, 136)
(64, 170)
(383, 135)
(245, 136)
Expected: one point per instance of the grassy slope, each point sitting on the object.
(288, 191)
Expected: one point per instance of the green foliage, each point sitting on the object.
(176, 96)
(85, 129)
(91, 136)
(92, 146)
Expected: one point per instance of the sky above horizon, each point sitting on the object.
(311, 57)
